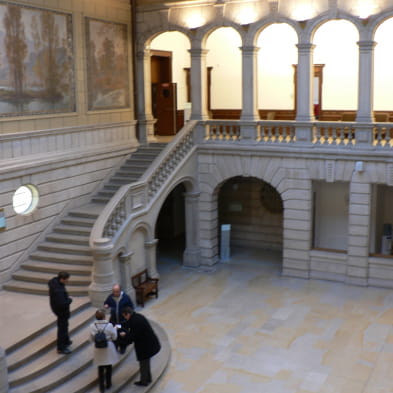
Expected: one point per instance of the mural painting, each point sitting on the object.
(36, 61)
(107, 65)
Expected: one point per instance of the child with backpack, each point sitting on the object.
(103, 334)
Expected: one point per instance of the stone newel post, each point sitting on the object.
(102, 276)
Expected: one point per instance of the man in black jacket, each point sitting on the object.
(146, 343)
(60, 305)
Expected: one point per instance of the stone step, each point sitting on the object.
(123, 372)
(132, 173)
(72, 229)
(101, 200)
(41, 289)
(68, 239)
(45, 339)
(89, 211)
(47, 266)
(54, 257)
(44, 277)
(78, 221)
(64, 248)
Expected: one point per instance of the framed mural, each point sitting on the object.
(107, 65)
(36, 61)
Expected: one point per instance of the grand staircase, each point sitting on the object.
(33, 363)
(67, 247)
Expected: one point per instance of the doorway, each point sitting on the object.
(164, 100)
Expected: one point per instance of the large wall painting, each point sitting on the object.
(107, 65)
(36, 61)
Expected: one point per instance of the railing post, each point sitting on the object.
(248, 132)
(102, 276)
(3, 372)
(364, 134)
(304, 133)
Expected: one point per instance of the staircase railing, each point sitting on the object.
(135, 197)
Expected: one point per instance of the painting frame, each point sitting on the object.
(107, 65)
(37, 67)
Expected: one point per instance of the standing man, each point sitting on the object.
(60, 305)
(116, 302)
(146, 343)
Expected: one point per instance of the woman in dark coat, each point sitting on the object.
(146, 343)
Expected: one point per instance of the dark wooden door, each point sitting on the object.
(164, 108)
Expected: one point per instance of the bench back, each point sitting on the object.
(139, 278)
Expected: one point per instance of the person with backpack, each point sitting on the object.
(103, 334)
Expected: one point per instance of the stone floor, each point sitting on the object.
(242, 328)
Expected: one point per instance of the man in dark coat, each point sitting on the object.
(60, 305)
(146, 343)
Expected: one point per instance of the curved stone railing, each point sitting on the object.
(133, 198)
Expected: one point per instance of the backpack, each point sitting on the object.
(100, 339)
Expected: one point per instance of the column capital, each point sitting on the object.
(366, 45)
(141, 54)
(192, 195)
(126, 256)
(305, 47)
(151, 243)
(198, 52)
(249, 50)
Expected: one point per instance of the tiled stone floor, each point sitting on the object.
(242, 328)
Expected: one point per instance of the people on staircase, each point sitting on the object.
(116, 302)
(139, 331)
(60, 304)
(106, 356)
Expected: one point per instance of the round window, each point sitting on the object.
(25, 199)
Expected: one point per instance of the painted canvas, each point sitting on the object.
(36, 61)
(107, 65)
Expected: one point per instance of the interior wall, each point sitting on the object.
(252, 225)
(331, 215)
(117, 11)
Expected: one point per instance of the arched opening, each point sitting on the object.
(170, 227)
(337, 50)
(254, 211)
(276, 57)
(383, 78)
(170, 65)
(224, 67)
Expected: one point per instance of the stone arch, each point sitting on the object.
(294, 186)
(376, 21)
(254, 31)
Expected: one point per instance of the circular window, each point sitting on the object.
(25, 199)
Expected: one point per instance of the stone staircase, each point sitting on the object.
(34, 366)
(67, 247)
(33, 363)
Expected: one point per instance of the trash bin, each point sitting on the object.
(386, 244)
(225, 242)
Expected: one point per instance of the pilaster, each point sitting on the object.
(151, 258)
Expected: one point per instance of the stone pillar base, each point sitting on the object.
(192, 257)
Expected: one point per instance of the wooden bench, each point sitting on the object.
(144, 286)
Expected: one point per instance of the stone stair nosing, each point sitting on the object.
(44, 277)
(68, 239)
(75, 315)
(46, 256)
(64, 248)
(34, 288)
(72, 229)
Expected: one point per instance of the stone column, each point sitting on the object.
(359, 229)
(366, 82)
(125, 272)
(249, 93)
(304, 96)
(102, 275)
(3, 372)
(198, 84)
(192, 253)
(151, 258)
(144, 103)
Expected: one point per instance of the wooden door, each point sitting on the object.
(164, 108)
